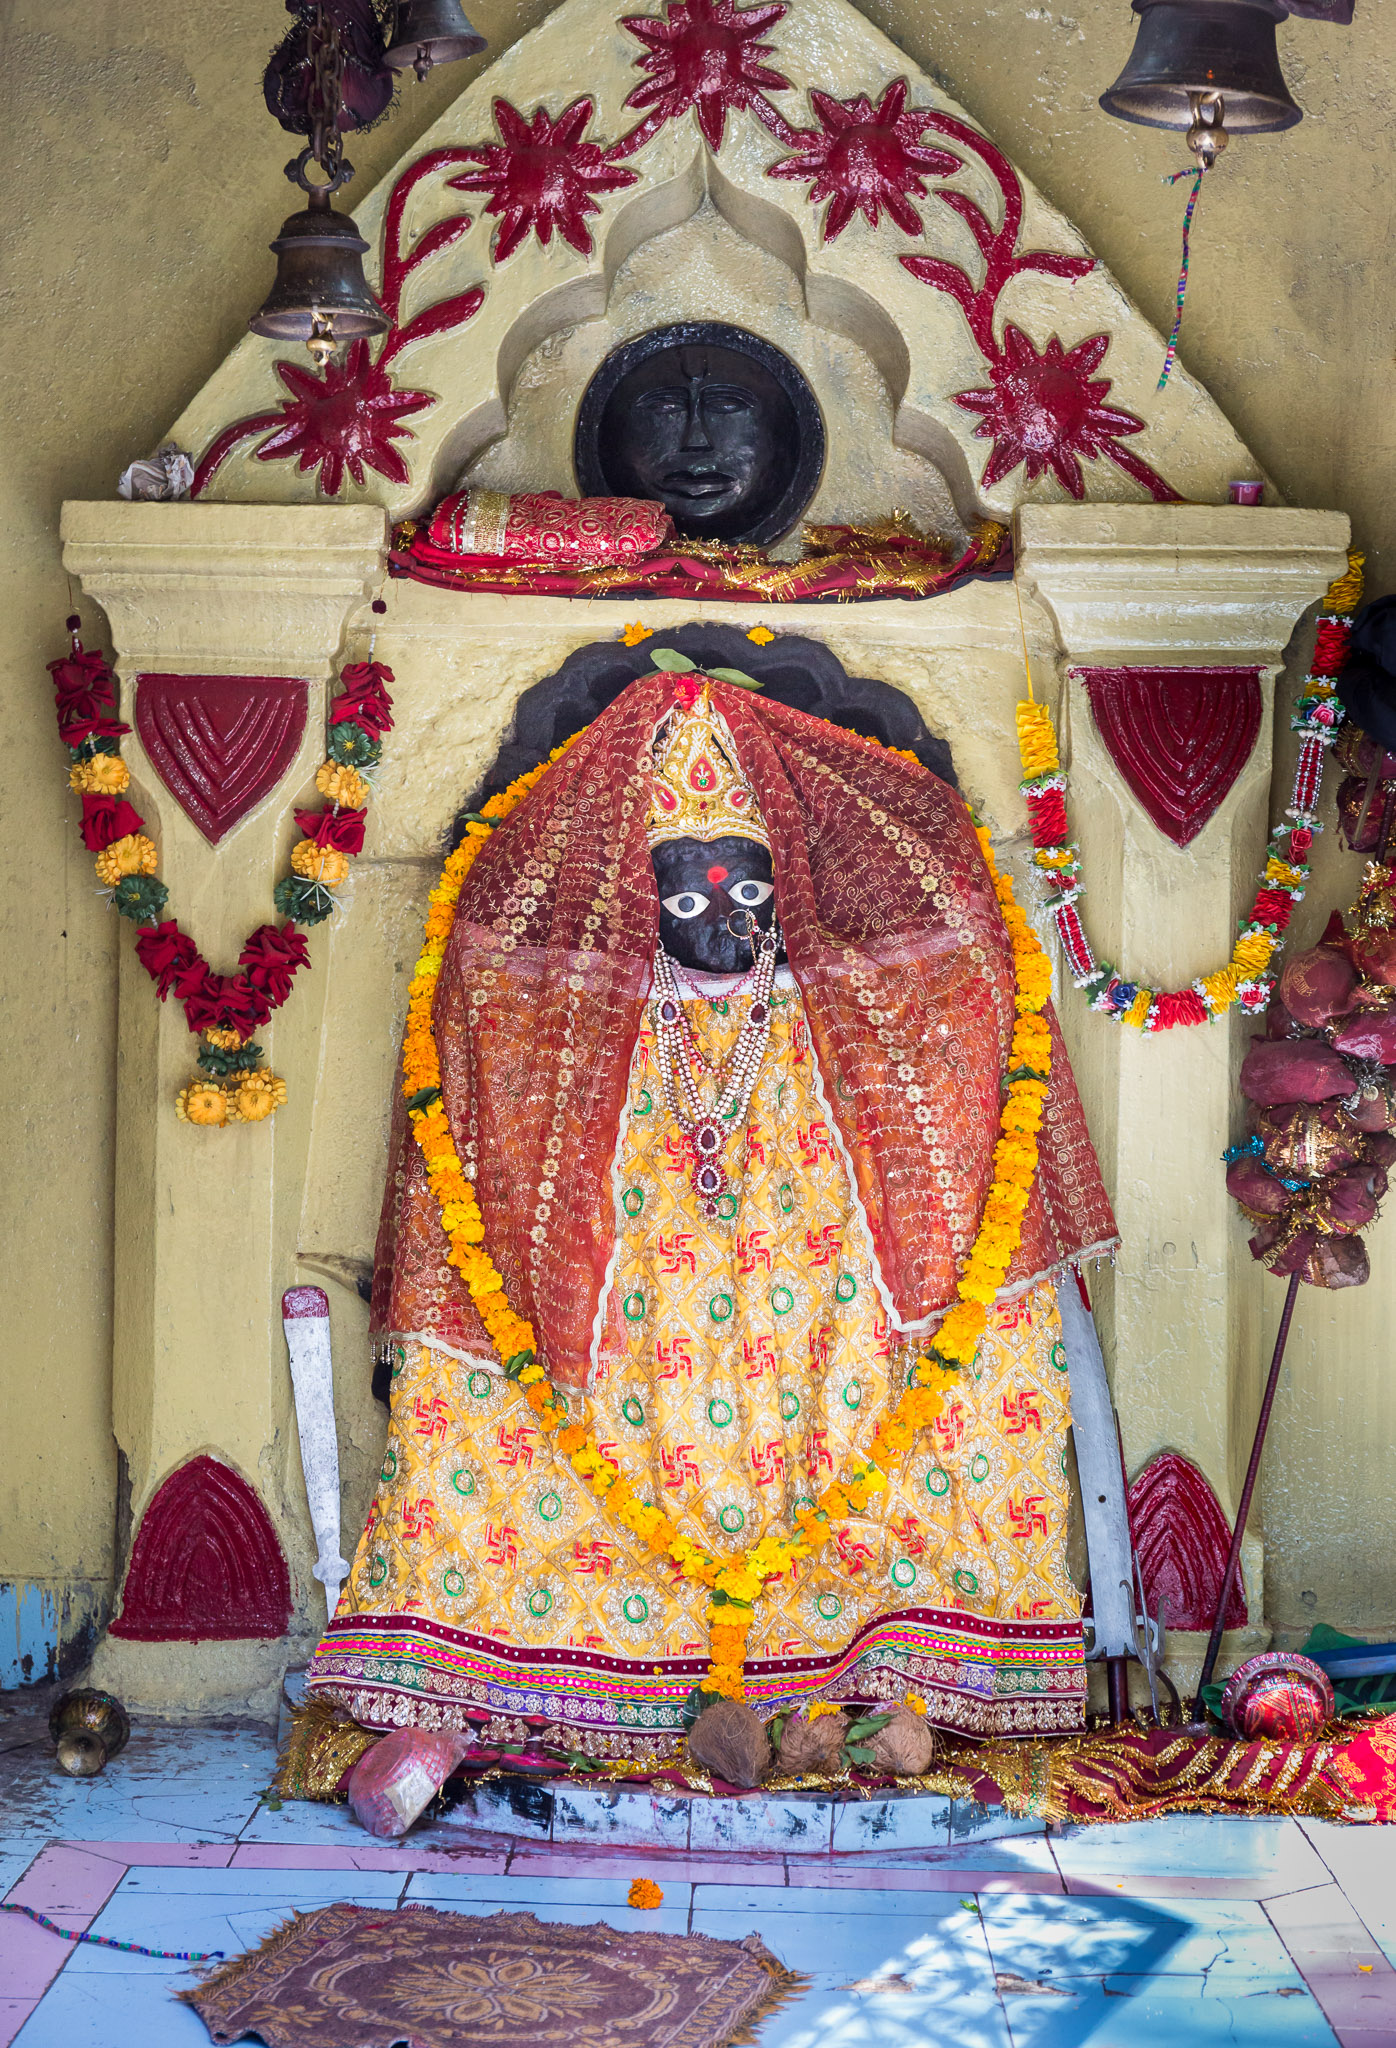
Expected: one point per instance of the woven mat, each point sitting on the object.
(356, 1977)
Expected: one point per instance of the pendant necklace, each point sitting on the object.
(707, 1129)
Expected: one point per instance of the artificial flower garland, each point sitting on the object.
(735, 1586)
(1246, 980)
(232, 1085)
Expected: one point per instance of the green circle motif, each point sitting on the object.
(720, 1308)
(634, 1307)
(789, 1406)
(853, 1394)
(782, 1300)
(633, 1201)
(378, 1571)
(966, 1582)
(481, 1385)
(938, 1482)
(632, 1411)
(727, 1207)
(463, 1482)
(732, 1519)
(453, 1583)
(636, 1608)
(389, 1466)
(828, 1607)
(787, 1198)
(719, 1412)
(644, 1102)
(540, 1602)
(904, 1573)
(802, 1502)
(1057, 1354)
(978, 1466)
(845, 1287)
(549, 1506)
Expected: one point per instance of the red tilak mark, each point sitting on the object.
(717, 874)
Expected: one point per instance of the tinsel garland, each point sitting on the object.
(1246, 980)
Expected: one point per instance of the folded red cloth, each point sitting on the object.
(541, 526)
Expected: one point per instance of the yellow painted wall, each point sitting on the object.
(142, 181)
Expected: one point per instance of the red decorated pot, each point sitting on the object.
(1279, 1695)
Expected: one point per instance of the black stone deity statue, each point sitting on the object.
(714, 423)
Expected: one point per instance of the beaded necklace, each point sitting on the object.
(707, 1128)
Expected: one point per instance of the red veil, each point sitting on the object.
(894, 936)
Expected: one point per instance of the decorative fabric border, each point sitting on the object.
(982, 1676)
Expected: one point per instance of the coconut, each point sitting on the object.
(1317, 985)
(906, 1746)
(731, 1741)
(1293, 1070)
(807, 1746)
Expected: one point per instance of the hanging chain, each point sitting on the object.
(325, 55)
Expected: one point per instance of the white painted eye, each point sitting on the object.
(688, 904)
(750, 894)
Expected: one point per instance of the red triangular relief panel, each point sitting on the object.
(1179, 736)
(206, 1565)
(1182, 1539)
(220, 743)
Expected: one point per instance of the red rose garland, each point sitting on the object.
(232, 1085)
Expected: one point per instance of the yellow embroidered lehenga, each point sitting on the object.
(739, 1361)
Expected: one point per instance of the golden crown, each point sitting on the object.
(699, 789)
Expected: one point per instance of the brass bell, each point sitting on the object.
(430, 32)
(320, 295)
(87, 1727)
(1207, 66)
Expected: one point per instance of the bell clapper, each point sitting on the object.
(1207, 136)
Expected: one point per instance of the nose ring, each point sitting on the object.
(751, 925)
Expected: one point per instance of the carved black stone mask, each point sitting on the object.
(713, 422)
(704, 883)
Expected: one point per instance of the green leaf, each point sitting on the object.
(735, 675)
(859, 1753)
(424, 1098)
(668, 659)
(695, 1704)
(867, 1725)
(515, 1365)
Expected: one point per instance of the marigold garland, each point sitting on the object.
(231, 1086)
(735, 1585)
(1247, 979)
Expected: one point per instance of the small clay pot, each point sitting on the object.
(87, 1727)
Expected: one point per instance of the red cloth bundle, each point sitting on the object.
(1293, 1070)
(541, 526)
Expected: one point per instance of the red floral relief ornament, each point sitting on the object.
(705, 54)
(540, 175)
(1046, 411)
(864, 158)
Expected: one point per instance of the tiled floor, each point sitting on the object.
(958, 1929)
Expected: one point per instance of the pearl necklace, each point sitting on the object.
(707, 1129)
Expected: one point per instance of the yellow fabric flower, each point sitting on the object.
(256, 1095)
(342, 785)
(104, 775)
(133, 855)
(202, 1102)
(634, 633)
(321, 863)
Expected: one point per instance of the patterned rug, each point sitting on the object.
(356, 1977)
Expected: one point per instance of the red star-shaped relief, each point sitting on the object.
(1045, 410)
(866, 158)
(347, 420)
(704, 54)
(540, 175)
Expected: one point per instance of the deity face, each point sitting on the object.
(704, 882)
(705, 430)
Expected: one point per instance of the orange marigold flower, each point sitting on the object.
(644, 1894)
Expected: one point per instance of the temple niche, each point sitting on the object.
(974, 370)
(705, 269)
